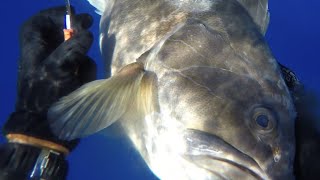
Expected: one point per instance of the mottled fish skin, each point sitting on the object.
(215, 75)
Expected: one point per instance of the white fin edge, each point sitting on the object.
(259, 11)
(100, 5)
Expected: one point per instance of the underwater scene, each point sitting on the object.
(292, 35)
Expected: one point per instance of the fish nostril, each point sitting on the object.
(276, 154)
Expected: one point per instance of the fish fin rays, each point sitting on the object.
(258, 10)
(130, 94)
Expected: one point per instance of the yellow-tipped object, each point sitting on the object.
(68, 31)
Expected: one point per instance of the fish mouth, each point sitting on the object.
(219, 158)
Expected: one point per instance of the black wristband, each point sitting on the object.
(22, 162)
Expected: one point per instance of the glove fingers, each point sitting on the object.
(56, 14)
(42, 32)
(78, 22)
(53, 18)
(76, 70)
(82, 21)
(69, 53)
(33, 38)
(87, 70)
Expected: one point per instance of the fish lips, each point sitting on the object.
(222, 160)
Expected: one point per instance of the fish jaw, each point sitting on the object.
(173, 151)
(217, 156)
(225, 161)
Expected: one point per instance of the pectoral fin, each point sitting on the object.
(98, 104)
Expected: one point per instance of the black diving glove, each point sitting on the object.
(49, 68)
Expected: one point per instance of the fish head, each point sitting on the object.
(225, 86)
(238, 125)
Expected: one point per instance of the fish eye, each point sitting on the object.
(263, 120)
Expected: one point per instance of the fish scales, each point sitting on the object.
(195, 87)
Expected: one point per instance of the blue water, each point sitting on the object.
(293, 36)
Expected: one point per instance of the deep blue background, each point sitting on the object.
(293, 36)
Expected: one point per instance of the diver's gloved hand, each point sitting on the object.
(49, 68)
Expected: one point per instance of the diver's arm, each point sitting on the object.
(49, 68)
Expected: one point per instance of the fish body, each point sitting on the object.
(194, 86)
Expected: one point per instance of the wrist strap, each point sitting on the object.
(46, 163)
(28, 140)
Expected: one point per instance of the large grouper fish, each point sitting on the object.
(193, 85)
